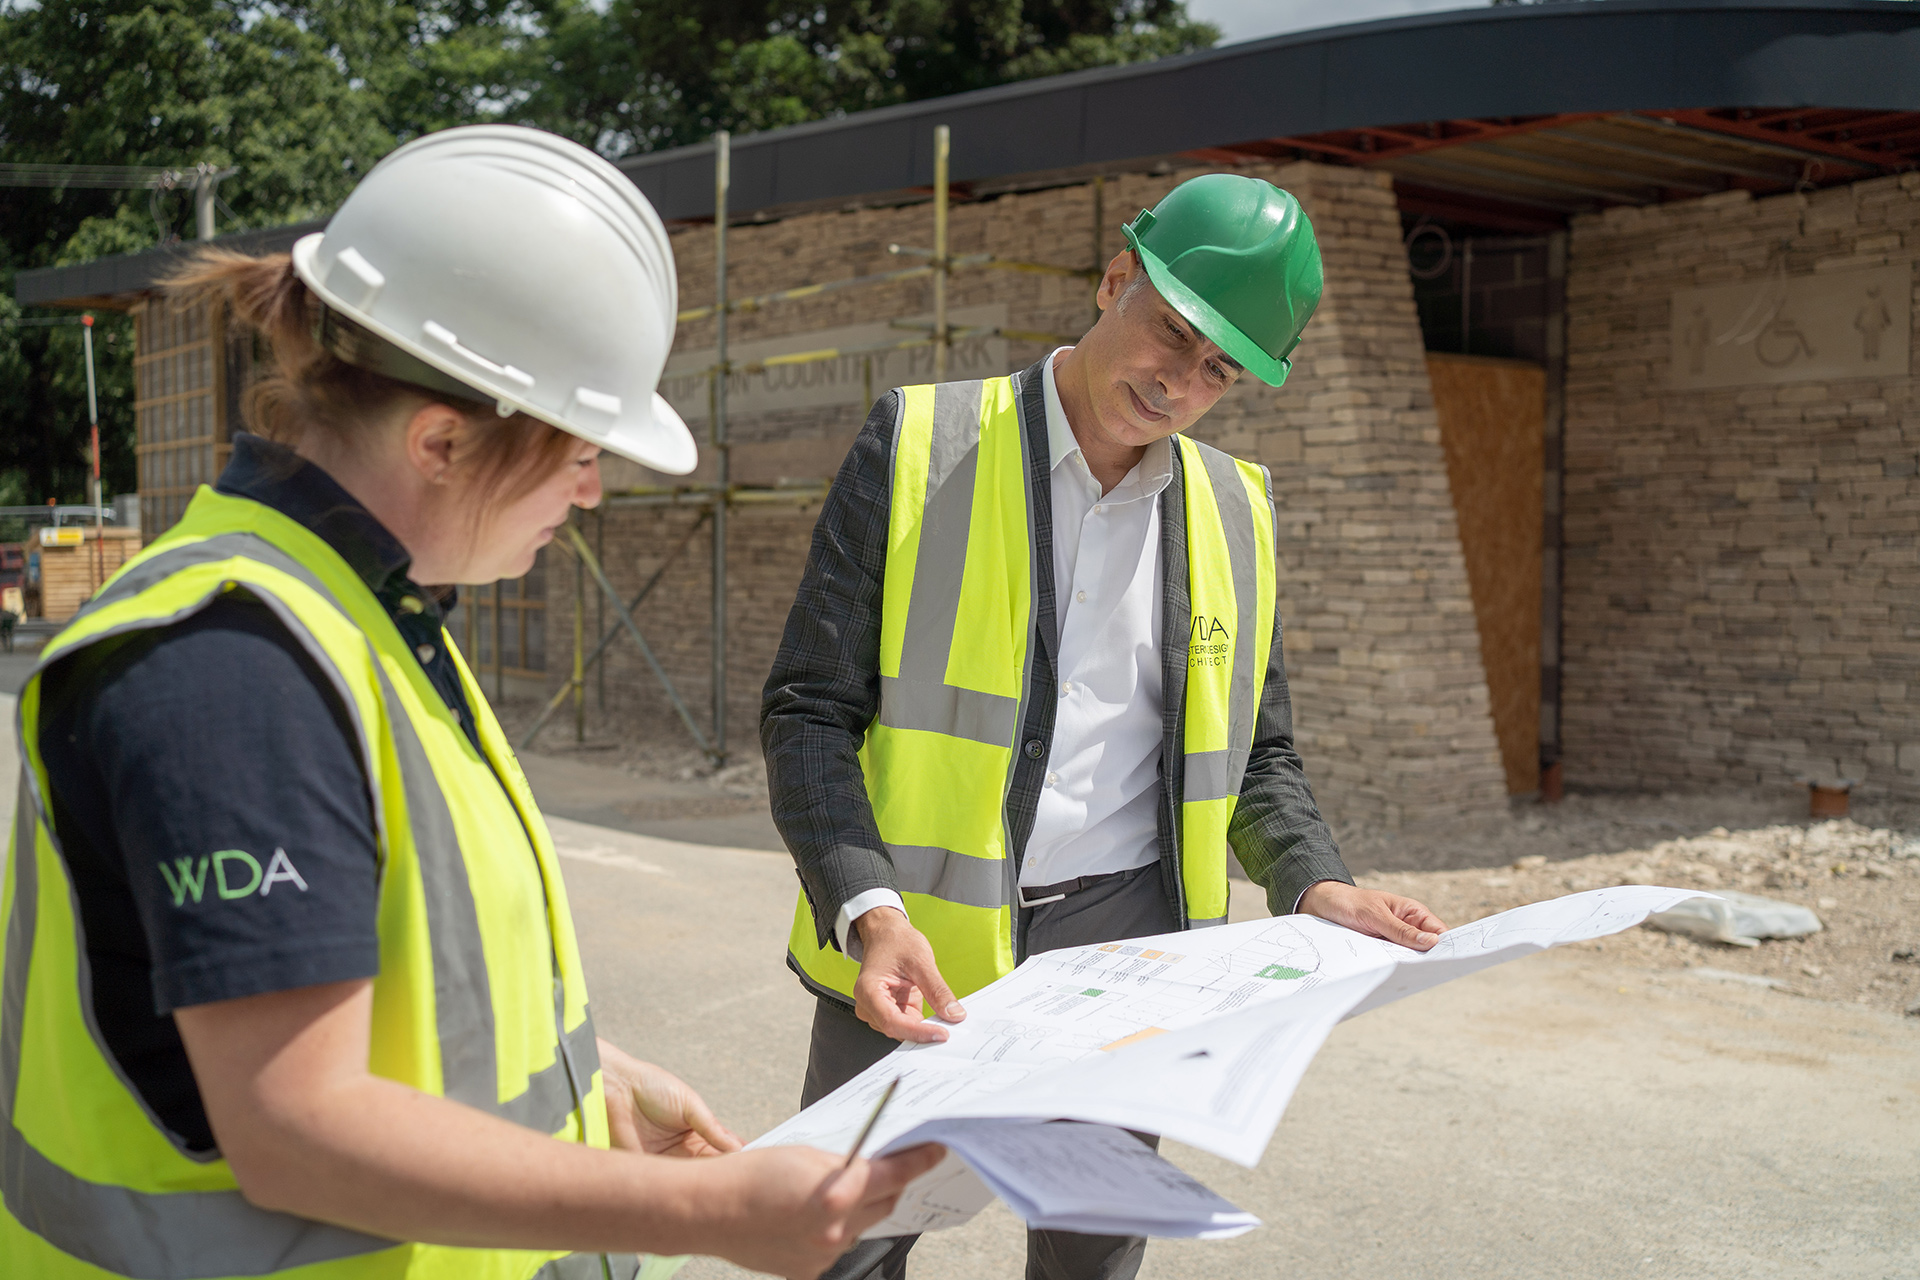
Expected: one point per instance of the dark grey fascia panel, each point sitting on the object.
(1524, 60)
(1593, 55)
(128, 273)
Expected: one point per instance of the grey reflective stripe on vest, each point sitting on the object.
(921, 698)
(949, 875)
(591, 1266)
(942, 708)
(196, 1235)
(1216, 775)
(463, 998)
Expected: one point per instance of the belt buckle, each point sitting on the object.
(1040, 902)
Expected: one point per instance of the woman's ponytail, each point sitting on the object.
(305, 387)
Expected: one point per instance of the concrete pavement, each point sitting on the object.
(1563, 1115)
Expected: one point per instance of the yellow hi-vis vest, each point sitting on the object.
(479, 997)
(956, 620)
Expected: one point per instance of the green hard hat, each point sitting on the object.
(1236, 256)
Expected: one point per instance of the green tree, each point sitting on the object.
(302, 98)
(644, 75)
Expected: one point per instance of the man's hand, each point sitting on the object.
(1374, 913)
(793, 1211)
(654, 1111)
(898, 975)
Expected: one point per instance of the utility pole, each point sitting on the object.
(941, 340)
(206, 178)
(722, 184)
(93, 421)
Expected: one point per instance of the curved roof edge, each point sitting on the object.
(1511, 61)
(99, 282)
(1518, 60)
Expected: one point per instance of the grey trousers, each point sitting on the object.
(1130, 905)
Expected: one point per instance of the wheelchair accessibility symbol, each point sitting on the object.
(1781, 342)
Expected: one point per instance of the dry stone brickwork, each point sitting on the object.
(1389, 694)
(1742, 588)
(1383, 653)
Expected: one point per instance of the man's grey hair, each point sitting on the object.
(1135, 285)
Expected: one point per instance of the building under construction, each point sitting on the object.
(1599, 464)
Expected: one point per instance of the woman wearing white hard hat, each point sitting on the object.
(289, 981)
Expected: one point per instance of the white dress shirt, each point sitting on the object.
(1096, 813)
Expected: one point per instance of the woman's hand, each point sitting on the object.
(652, 1110)
(792, 1211)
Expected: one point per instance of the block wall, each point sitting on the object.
(1742, 565)
(1390, 697)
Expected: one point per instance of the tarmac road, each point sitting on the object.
(1564, 1115)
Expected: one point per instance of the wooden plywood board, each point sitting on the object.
(70, 575)
(1492, 414)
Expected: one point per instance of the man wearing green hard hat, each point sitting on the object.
(1031, 692)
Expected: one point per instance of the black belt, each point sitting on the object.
(1041, 895)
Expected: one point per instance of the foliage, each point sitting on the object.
(645, 75)
(301, 97)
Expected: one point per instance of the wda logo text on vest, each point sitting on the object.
(232, 873)
(1208, 642)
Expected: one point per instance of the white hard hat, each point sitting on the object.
(520, 268)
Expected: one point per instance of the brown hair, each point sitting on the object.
(306, 387)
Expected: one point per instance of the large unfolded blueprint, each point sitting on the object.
(1200, 1036)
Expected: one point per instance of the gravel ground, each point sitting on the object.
(1861, 875)
(646, 749)
(1863, 882)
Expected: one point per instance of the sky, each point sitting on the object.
(1250, 19)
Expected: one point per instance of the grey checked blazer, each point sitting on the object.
(824, 691)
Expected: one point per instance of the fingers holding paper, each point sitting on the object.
(795, 1210)
(898, 975)
(1376, 913)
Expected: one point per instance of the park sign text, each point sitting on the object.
(1781, 328)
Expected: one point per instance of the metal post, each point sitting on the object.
(596, 658)
(942, 138)
(1466, 295)
(1553, 525)
(203, 184)
(646, 650)
(579, 651)
(93, 421)
(499, 643)
(722, 180)
(600, 603)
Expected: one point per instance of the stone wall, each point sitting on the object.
(1390, 698)
(1743, 563)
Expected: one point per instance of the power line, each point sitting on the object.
(110, 177)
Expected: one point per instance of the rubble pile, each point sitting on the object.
(1863, 883)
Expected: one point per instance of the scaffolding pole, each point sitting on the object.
(499, 640)
(581, 549)
(579, 681)
(722, 180)
(942, 267)
(583, 661)
(717, 499)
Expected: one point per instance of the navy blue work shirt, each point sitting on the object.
(214, 734)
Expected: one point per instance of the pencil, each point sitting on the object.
(866, 1131)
